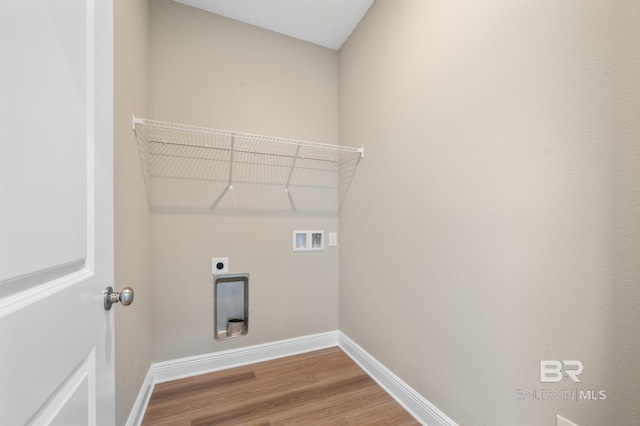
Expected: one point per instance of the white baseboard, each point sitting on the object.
(192, 366)
(423, 411)
(201, 364)
(140, 405)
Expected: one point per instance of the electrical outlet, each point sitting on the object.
(219, 265)
(333, 239)
(561, 421)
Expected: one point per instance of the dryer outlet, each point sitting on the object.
(219, 265)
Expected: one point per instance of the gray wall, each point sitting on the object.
(131, 215)
(210, 71)
(494, 221)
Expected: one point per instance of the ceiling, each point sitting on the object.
(327, 23)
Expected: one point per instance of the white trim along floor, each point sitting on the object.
(423, 411)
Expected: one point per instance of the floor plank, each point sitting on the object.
(319, 388)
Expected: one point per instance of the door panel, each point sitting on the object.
(43, 131)
(56, 223)
(74, 402)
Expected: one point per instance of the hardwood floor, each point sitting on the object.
(318, 388)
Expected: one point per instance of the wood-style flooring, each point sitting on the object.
(318, 388)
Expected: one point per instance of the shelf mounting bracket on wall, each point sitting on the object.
(293, 166)
(233, 140)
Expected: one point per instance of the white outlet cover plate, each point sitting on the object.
(333, 239)
(561, 421)
(214, 265)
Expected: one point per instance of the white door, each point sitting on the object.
(56, 232)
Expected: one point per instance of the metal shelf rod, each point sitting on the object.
(244, 136)
(252, 163)
(241, 150)
(180, 171)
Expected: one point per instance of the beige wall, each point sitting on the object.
(627, 212)
(492, 224)
(132, 256)
(210, 71)
(483, 231)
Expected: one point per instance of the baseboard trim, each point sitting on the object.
(140, 405)
(423, 411)
(192, 366)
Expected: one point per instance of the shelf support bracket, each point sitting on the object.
(293, 166)
(233, 140)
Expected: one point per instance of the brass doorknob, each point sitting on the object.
(110, 297)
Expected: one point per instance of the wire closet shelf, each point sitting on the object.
(191, 167)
